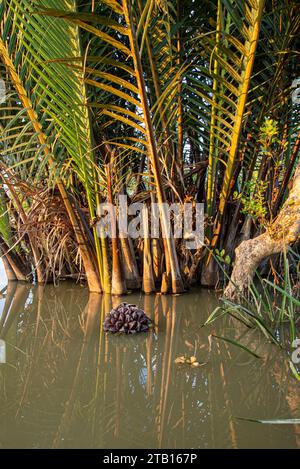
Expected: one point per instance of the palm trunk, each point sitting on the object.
(12, 268)
(170, 252)
(118, 285)
(148, 277)
(106, 277)
(10, 273)
(156, 259)
(131, 272)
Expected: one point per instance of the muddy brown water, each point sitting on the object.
(65, 384)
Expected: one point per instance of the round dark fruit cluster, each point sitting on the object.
(126, 318)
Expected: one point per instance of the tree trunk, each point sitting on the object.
(132, 278)
(170, 251)
(280, 234)
(118, 284)
(156, 259)
(13, 267)
(148, 277)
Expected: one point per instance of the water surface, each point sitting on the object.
(66, 384)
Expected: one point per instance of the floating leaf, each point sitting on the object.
(180, 360)
(273, 421)
(237, 344)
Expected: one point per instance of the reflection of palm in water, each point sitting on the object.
(73, 386)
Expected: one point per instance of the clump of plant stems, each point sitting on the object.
(161, 101)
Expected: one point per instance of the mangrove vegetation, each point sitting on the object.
(165, 101)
